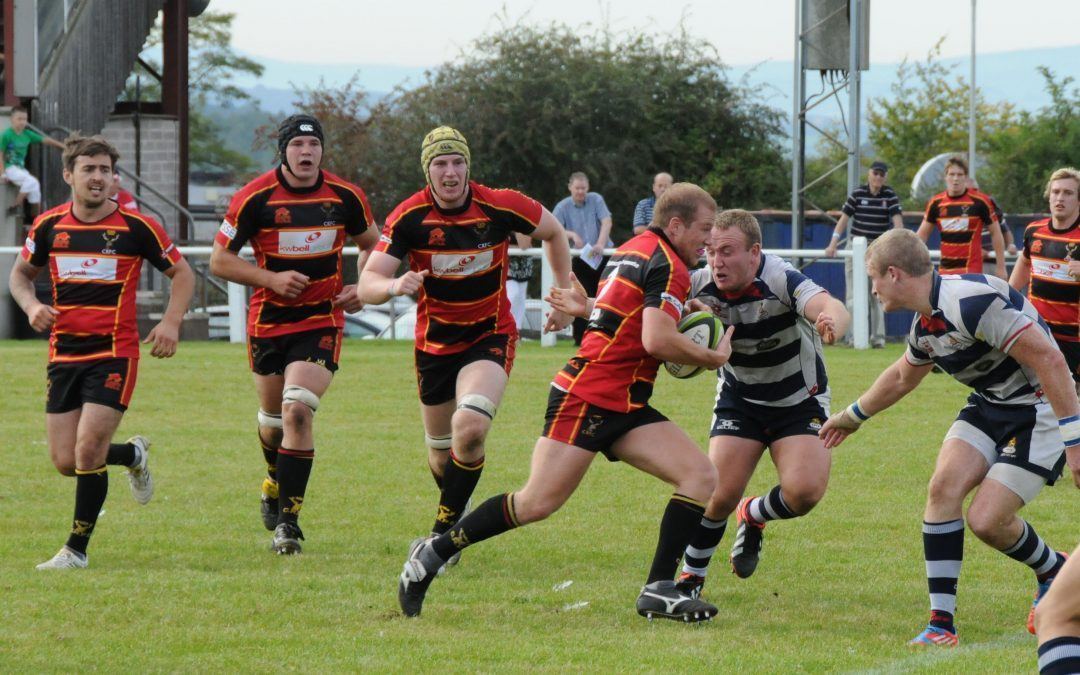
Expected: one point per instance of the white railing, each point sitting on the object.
(860, 292)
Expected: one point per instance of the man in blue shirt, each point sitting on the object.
(644, 209)
(588, 225)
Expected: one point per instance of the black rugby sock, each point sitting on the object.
(91, 486)
(680, 521)
(493, 517)
(121, 454)
(270, 454)
(459, 481)
(293, 471)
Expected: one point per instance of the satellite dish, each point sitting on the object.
(930, 178)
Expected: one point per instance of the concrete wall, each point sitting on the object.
(160, 156)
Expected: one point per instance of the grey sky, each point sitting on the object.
(427, 33)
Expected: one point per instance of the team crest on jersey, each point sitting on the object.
(329, 213)
(1010, 447)
(110, 237)
(326, 343)
(114, 381)
(62, 240)
(964, 209)
(1070, 251)
(1037, 246)
(282, 216)
(436, 237)
(481, 228)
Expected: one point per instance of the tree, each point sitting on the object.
(1023, 157)
(539, 103)
(927, 115)
(213, 67)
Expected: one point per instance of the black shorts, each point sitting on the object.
(270, 355)
(577, 422)
(436, 374)
(766, 423)
(109, 382)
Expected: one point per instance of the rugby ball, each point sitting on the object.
(704, 329)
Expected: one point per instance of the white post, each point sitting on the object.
(860, 294)
(237, 313)
(547, 280)
(971, 100)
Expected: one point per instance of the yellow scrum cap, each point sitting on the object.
(443, 141)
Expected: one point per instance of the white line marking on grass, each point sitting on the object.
(938, 657)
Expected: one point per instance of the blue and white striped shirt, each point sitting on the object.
(976, 321)
(776, 355)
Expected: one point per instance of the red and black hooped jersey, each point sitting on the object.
(299, 229)
(961, 221)
(95, 273)
(612, 369)
(465, 250)
(1053, 292)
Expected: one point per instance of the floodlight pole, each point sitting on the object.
(798, 139)
(971, 100)
(854, 91)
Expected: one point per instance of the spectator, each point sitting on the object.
(518, 274)
(14, 143)
(871, 209)
(588, 225)
(644, 209)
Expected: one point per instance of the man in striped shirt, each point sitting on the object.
(644, 210)
(1019, 426)
(772, 393)
(871, 209)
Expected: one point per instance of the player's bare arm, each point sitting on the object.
(550, 231)
(661, 338)
(997, 240)
(574, 301)
(21, 282)
(349, 297)
(231, 267)
(166, 334)
(1021, 274)
(378, 283)
(838, 233)
(896, 382)
(925, 228)
(1035, 350)
(829, 316)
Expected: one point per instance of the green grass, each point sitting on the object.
(186, 583)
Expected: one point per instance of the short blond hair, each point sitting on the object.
(901, 249)
(681, 200)
(1063, 173)
(741, 220)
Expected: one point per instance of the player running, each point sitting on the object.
(454, 234)
(773, 392)
(94, 251)
(296, 218)
(1050, 265)
(1019, 427)
(599, 403)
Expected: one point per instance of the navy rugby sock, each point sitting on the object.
(943, 550)
(703, 545)
(1060, 656)
(1031, 550)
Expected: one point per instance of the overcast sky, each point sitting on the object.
(427, 33)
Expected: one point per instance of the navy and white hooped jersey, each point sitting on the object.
(976, 321)
(775, 352)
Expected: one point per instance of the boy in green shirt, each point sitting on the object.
(14, 143)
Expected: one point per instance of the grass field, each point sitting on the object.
(186, 583)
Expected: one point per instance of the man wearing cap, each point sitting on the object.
(454, 234)
(871, 209)
(296, 218)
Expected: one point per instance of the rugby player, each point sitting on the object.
(961, 214)
(94, 251)
(296, 217)
(1019, 426)
(455, 235)
(599, 403)
(772, 393)
(1049, 266)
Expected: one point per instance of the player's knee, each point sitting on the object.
(989, 526)
(65, 467)
(470, 429)
(943, 490)
(530, 508)
(803, 498)
(700, 483)
(296, 416)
